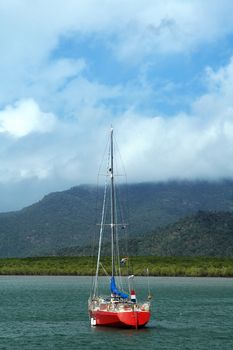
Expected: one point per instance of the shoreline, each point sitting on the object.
(83, 276)
(85, 266)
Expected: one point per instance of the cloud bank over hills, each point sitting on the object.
(160, 71)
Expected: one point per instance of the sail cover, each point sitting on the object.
(114, 289)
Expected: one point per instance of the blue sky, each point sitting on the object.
(160, 71)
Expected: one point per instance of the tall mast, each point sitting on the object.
(113, 227)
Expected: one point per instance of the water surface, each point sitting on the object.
(51, 313)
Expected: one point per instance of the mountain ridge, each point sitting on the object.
(202, 234)
(68, 218)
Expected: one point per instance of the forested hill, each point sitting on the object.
(67, 218)
(202, 234)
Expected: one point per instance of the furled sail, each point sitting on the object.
(115, 291)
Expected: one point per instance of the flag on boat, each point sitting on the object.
(133, 296)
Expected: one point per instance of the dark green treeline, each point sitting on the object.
(158, 266)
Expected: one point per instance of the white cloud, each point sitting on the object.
(58, 71)
(30, 32)
(37, 146)
(155, 27)
(185, 146)
(24, 118)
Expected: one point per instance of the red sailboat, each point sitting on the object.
(118, 308)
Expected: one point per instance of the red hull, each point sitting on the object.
(133, 319)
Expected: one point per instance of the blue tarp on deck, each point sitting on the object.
(114, 289)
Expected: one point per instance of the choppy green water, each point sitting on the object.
(51, 313)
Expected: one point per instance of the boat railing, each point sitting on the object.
(102, 304)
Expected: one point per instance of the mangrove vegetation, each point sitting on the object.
(84, 266)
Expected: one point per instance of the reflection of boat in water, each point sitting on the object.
(119, 309)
